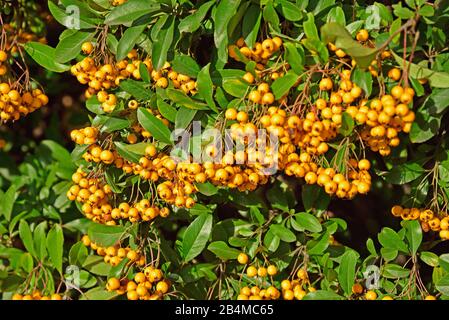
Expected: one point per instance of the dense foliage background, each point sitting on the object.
(289, 235)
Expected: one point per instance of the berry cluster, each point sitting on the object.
(179, 81)
(17, 99)
(289, 289)
(430, 221)
(36, 295)
(15, 103)
(87, 135)
(97, 154)
(102, 77)
(385, 118)
(360, 293)
(147, 285)
(113, 255)
(297, 288)
(98, 205)
(260, 52)
(94, 195)
(3, 66)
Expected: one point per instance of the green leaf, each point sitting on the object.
(86, 279)
(7, 201)
(130, 11)
(110, 124)
(322, 295)
(123, 150)
(389, 239)
(339, 35)
(58, 153)
(395, 26)
(317, 247)
(105, 235)
(39, 236)
(179, 97)
(99, 293)
(314, 197)
(129, 40)
(78, 254)
(225, 10)
(163, 43)
(426, 10)
(404, 173)
(295, 57)
(256, 215)
(317, 49)
(55, 243)
(26, 262)
(439, 99)
(96, 265)
(94, 106)
(271, 241)
(310, 28)
(116, 271)
(111, 177)
(283, 233)
(192, 22)
(371, 248)
(413, 234)
(436, 79)
(205, 87)
(137, 148)
(112, 43)
(137, 89)
(403, 13)
(196, 236)
(45, 56)
(443, 285)
(437, 274)
(281, 196)
(290, 11)
(337, 15)
(207, 188)
(443, 261)
(363, 79)
(347, 124)
(186, 65)
(384, 12)
(429, 258)
(282, 85)
(80, 225)
(27, 237)
(346, 271)
(251, 24)
(236, 87)
(66, 17)
(144, 73)
(69, 48)
(184, 117)
(393, 271)
(388, 254)
(308, 222)
(426, 125)
(270, 15)
(353, 27)
(166, 110)
(223, 251)
(154, 125)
